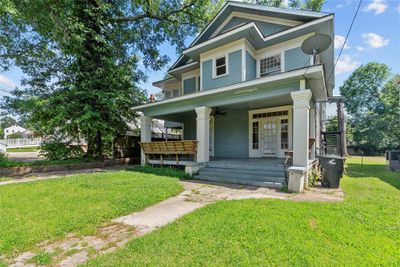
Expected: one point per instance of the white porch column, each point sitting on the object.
(298, 175)
(203, 133)
(145, 132)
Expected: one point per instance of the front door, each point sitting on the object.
(269, 140)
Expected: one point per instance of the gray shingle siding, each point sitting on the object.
(231, 134)
(265, 27)
(295, 59)
(234, 76)
(189, 129)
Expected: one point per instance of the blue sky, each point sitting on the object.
(375, 37)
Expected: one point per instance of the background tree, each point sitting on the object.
(312, 5)
(373, 105)
(6, 122)
(80, 59)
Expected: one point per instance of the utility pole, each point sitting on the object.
(341, 126)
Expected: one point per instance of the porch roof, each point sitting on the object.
(251, 94)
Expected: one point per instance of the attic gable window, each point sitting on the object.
(220, 66)
(270, 65)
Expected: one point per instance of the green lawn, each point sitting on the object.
(364, 230)
(50, 209)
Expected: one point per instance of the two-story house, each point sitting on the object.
(248, 94)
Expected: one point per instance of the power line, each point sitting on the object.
(345, 40)
(344, 43)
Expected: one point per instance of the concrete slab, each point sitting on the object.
(161, 214)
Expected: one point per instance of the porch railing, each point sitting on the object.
(169, 148)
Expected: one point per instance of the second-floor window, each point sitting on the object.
(270, 65)
(175, 93)
(220, 66)
(171, 93)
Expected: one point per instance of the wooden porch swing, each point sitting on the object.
(169, 148)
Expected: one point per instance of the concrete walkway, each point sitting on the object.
(199, 193)
(76, 250)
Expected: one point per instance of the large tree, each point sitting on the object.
(372, 101)
(80, 59)
(312, 5)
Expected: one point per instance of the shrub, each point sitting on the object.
(59, 149)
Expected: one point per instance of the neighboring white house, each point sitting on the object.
(17, 129)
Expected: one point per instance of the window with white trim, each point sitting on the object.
(270, 65)
(220, 66)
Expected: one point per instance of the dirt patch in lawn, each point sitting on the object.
(75, 250)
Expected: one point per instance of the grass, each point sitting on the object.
(2, 179)
(7, 163)
(23, 149)
(37, 211)
(364, 230)
(170, 172)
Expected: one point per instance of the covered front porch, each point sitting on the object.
(265, 123)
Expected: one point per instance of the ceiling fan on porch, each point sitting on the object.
(217, 112)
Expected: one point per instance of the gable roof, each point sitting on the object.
(254, 9)
(288, 17)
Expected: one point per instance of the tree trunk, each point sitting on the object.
(99, 145)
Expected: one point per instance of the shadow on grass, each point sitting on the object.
(372, 170)
(161, 171)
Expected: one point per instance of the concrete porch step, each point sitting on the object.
(243, 166)
(268, 184)
(244, 174)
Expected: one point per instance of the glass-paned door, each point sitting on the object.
(269, 139)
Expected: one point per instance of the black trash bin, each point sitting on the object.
(332, 170)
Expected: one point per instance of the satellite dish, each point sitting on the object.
(316, 44)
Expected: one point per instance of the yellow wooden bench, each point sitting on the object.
(169, 148)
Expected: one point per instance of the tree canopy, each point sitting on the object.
(80, 59)
(372, 99)
(312, 5)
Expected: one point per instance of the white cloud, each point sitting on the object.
(360, 48)
(6, 82)
(378, 6)
(375, 40)
(346, 64)
(344, 4)
(339, 41)
(398, 8)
